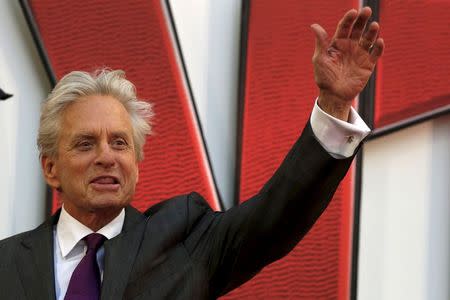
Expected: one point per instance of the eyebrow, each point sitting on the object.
(122, 134)
(91, 136)
(74, 140)
(81, 136)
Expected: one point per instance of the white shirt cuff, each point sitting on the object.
(340, 139)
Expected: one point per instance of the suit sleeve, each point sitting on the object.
(235, 245)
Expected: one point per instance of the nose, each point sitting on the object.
(105, 156)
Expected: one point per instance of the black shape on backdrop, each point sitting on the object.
(4, 96)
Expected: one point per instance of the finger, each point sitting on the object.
(360, 23)
(377, 50)
(345, 24)
(370, 36)
(321, 37)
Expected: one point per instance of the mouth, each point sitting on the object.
(105, 183)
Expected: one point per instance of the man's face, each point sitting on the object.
(95, 168)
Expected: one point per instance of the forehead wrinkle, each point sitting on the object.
(95, 127)
(114, 119)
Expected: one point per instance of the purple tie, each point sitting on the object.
(85, 282)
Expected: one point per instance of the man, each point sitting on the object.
(91, 136)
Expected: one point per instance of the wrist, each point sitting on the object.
(334, 106)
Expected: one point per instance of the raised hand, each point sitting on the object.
(344, 63)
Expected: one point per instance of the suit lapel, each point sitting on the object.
(34, 260)
(120, 253)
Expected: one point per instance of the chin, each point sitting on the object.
(105, 203)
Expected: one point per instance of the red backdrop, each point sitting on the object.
(414, 73)
(279, 96)
(280, 91)
(134, 36)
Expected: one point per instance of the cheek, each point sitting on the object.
(130, 182)
(130, 171)
(134, 174)
(76, 170)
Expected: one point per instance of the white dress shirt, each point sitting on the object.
(69, 247)
(339, 138)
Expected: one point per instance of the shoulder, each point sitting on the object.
(10, 245)
(12, 241)
(22, 238)
(185, 209)
(192, 203)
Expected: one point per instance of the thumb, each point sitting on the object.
(321, 37)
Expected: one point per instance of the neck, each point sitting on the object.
(95, 219)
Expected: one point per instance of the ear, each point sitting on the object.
(50, 172)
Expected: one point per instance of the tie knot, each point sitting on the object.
(94, 240)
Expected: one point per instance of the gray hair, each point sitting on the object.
(78, 84)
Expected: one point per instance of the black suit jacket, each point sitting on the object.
(180, 248)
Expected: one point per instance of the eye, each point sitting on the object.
(84, 145)
(119, 143)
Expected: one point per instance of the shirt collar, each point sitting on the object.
(69, 231)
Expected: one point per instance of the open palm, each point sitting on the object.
(344, 63)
